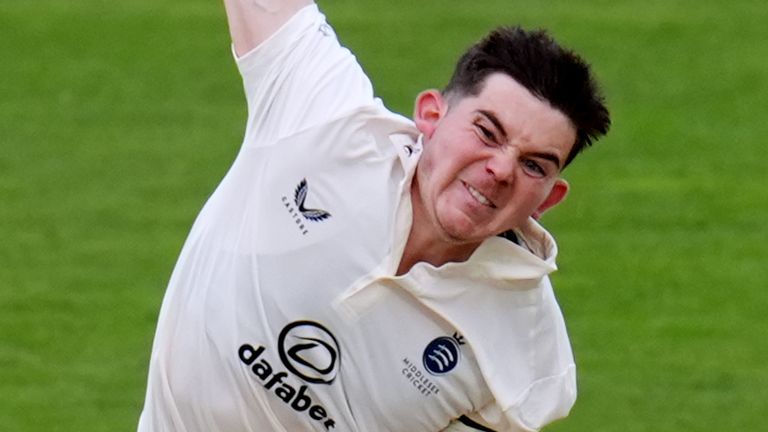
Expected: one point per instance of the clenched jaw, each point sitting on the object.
(482, 199)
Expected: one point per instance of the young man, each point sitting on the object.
(358, 271)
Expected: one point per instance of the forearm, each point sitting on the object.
(253, 21)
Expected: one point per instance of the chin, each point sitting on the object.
(462, 234)
(460, 229)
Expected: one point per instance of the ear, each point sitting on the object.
(429, 109)
(555, 197)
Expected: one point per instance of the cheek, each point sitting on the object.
(540, 194)
(444, 160)
(432, 167)
(528, 195)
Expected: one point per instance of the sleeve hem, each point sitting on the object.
(275, 45)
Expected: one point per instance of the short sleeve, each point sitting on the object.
(299, 78)
(547, 400)
(487, 419)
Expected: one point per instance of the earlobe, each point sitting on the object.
(556, 196)
(428, 111)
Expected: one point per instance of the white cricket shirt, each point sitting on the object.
(283, 312)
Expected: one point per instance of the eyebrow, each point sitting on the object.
(548, 156)
(495, 120)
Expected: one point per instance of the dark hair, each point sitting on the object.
(547, 70)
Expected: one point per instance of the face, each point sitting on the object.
(489, 161)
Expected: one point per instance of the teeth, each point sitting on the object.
(479, 197)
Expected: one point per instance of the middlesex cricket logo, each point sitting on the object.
(311, 354)
(442, 354)
(440, 357)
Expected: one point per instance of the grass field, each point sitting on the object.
(117, 119)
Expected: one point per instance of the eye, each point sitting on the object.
(485, 133)
(534, 168)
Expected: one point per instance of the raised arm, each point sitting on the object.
(253, 21)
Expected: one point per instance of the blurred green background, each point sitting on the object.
(117, 120)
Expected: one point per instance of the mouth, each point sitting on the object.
(479, 197)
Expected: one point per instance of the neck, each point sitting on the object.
(426, 244)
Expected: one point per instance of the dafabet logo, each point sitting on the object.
(311, 354)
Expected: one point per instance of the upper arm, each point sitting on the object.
(253, 21)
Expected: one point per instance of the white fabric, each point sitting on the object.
(283, 312)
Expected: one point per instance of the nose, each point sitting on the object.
(501, 166)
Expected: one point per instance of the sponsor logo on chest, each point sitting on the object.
(311, 355)
(297, 208)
